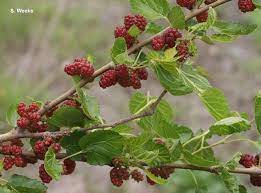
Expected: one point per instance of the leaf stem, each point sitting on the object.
(196, 137)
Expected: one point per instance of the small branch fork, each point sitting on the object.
(17, 133)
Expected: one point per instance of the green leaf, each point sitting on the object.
(257, 3)
(154, 178)
(230, 181)
(224, 38)
(193, 80)
(170, 82)
(234, 162)
(11, 115)
(175, 150)
(134, 31)
(25, 185)
(67, 116)
(139, 102)
(5, 189)
(1, 165)
(212, 16)
(230, 125)
(207, 39)
(151, 9)
(123, 129)
(101, 146)
(118, 48)
(177, 17)
(242, 189)
(198, 160)
(123, 59)
(216, 103)
(71, 144)
(230, 28)
(89, 104)
(153, 28)
(51, 165)
(258, 111)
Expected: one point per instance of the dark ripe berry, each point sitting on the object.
(246, 5)
(5, 149)
(118, 174)
(71, 70)
(40, 148)
(124, 82)
(149, 181)
(20, 161)
(255, 180)
(138, 20)
(202, 17)
(108, 79)
(247, 160)
(17, 142)
(71, 103)
(129, 20)
(186, 3)
(56, 147)
(33, 108)
(23, 123)
(116, 182)
(42, 127)
(141, 22)
(207, 2)
(120, 31)
(165, 171)
(122, 71)
(44, 175)
(170, 36)
(21, 109)
(123, 32)
(86, 70)
(137, 175)
(15, 150)
(8, 162)
(135, 81)
(142, 73)
(68, 166)
(183, 50)
(158, 43)
(81, 67)
(48, 141)
(34, 117)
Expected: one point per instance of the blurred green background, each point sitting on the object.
(35, 47)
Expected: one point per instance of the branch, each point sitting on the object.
(17, 133)
(248, 171)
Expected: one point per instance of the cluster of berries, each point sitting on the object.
(163, 172)
(249, 161)
(13, 152)
(123, 75)
(246, 5)
(81, 67)
(30, 119)
(169, 38)
(119, 174)
(41, 146)
(129, 21)
(68, 168)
